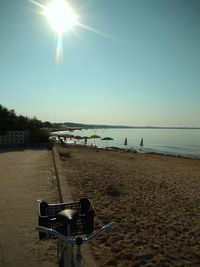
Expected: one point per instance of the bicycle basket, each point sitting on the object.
(84, 223)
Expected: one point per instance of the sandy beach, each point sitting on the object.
(153, 199)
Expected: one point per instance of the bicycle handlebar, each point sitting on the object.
(70, 241)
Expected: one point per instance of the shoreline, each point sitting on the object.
(133, 150)
(172, 154)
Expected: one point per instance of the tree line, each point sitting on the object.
(9, 121)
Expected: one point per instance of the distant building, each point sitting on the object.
(12, 138)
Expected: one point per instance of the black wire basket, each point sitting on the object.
(48, 216)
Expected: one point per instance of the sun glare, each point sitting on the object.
(60, 16)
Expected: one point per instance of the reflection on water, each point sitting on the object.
(174, 141)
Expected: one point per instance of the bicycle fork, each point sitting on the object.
(67, 258)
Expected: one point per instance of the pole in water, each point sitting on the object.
(142, 143)
(125, 142)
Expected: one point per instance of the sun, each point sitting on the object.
(62, 18)
(60, 15)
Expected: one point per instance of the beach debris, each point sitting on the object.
(125, 142)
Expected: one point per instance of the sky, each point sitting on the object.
(137, 62)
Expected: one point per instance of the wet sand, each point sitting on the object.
(153, 199)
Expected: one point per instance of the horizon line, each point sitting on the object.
(126, 126)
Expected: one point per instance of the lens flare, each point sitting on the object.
(59, 49)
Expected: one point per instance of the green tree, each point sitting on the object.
(47, 124)
(22, 123)
(7, 119)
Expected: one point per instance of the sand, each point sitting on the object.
(153, 199)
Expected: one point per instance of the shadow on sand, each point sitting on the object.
(40, 146)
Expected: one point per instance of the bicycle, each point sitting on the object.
(71, 224)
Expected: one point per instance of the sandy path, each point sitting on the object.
(154, 199)
(25, 177)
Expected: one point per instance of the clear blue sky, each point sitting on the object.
(143, 70)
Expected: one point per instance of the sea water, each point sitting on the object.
(185, 142)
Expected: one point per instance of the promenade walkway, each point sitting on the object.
(25, 177)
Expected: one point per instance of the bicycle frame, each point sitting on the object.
(67, 257)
